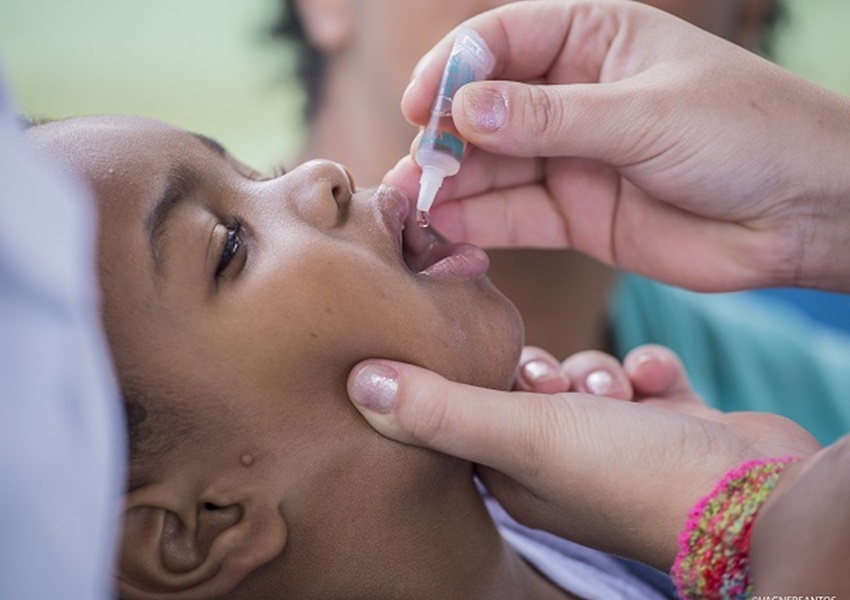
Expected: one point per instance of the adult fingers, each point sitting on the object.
(554, 41)
(520, 46)
(497, 201)
(580, 43)
(540, 372)
(587, 120)
(655, 370)
(521, 215)
(589, 372)
(660, 379)
(506, 431)
(597, 373)
(523, 435)
(573, 453)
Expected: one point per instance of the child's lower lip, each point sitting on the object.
(458, 262)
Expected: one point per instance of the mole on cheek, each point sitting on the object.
(247, 460)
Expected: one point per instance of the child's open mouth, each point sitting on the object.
(428, 253)
(424, 251)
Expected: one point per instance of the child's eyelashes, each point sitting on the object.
(277, 171)
(254, 175)
(231, 246)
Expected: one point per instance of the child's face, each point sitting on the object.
(254, 297)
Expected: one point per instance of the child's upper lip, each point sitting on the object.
(416, 246)
(395, 209)
(423, 250)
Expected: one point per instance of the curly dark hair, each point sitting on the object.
(310, 61)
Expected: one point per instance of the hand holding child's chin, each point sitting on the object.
(606, 454)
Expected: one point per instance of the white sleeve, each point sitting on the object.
(61, 437)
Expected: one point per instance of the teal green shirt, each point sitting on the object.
(741, 352)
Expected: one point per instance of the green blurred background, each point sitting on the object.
(206, 65)
(209, 66)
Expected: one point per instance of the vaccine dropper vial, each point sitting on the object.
(441, 148)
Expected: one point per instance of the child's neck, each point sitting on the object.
(442, 544)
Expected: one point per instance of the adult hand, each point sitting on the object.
(792, 514)
(646, 142)
(591, 372)
(612, 474)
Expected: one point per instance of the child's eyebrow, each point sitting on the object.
(210, 143)
(181, 183)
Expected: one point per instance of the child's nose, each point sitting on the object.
(335, 178)
(320, 191)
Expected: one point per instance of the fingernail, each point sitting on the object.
(415, 74)
(485, 107)
(538, 370)
(420, 64)
(600, 383)
(645, 357)
(375, 387)
(409, 87)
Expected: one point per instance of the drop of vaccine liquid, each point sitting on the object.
(422, 218)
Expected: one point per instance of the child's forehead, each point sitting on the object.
(108, 136)
(102, 127)
(120, 146)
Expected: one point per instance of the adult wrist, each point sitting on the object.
(713, 558)
(821, 211)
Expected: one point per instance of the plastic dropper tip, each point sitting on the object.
(429, 183)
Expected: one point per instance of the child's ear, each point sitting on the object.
(184, 548)
(328, 23)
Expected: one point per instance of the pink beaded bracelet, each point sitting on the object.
(713, 561)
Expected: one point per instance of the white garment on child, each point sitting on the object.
(576, 569)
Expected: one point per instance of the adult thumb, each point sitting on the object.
(518, 119)
(415, 406)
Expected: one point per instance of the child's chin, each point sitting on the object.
(508, 337)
